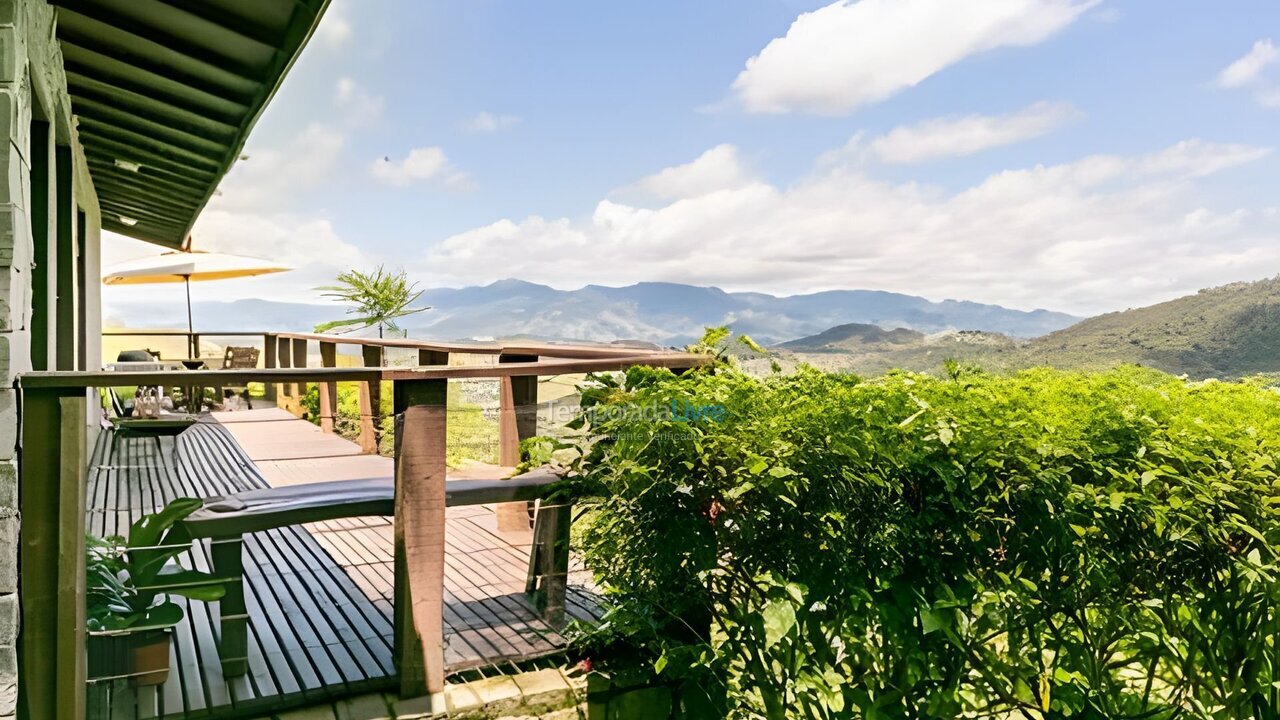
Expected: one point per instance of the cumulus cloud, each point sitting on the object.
(849, 54)
(1099, 233)
(1249, 68)
(421, 164)
(953, 137)
(719, 168)
(1255, 71)
(266, 178)
(309, 244)
(335, 27)
(487, 122)
(359, 106)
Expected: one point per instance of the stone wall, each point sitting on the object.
(31, 76)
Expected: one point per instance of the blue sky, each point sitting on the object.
(1078, 155)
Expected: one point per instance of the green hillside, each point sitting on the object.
(872, 350)
(1227, 331)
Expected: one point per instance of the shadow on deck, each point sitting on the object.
(319, 595)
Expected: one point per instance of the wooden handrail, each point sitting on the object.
(581, 351)
(217, 378)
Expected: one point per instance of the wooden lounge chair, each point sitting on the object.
(225, 520)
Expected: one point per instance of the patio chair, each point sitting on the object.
(239, 358)
(225, 521)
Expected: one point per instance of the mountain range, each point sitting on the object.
(664, 313)
(1227, 331)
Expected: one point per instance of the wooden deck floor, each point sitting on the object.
(320, 595)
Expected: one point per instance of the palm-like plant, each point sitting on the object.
(377, 298)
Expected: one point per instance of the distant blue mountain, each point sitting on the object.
(665, 313)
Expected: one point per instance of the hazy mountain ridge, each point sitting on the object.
(665, 313)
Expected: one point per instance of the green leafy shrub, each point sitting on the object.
(1046, 544)
(471, 435)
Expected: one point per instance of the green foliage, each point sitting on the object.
(471, 435)
(1043, 545)
(126, 579)
(377, 299)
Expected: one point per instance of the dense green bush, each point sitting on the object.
(471, 436)
(1047, 544)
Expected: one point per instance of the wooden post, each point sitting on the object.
(52, 505)
(517, 421)
(420, 437)
(66, 304)
(284, 359)
(328, 390)
(299, 350)
(370, 403)
(549, 560)
(228, 564)
(269, 349)
(44, 244)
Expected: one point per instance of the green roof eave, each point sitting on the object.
(166, 94)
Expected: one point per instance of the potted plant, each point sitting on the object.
(129, 617)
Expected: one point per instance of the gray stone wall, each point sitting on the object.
(31, 71)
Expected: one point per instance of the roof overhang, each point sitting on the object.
(165, 93)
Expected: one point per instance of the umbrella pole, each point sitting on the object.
(191, 330)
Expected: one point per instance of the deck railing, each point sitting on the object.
(292, 350)
(52, 482)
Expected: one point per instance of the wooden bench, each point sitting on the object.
(226, 519)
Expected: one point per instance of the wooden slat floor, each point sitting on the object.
(320, 595)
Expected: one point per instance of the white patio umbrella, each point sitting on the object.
(186, 267)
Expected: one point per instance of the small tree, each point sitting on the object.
(377, 298)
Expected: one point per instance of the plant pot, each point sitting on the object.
(151, 658)
(142, 657)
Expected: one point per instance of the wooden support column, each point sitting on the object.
(548, 580)
(82, 292)
(284, 359)
(299, 350)
(66, 304)
(371, 403)
(52, 593)
(43, 244)
(328, 390)
(269, 349)
(420, 437)
(517, 421)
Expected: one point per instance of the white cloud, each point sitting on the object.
(1100, 233)
(360, 106)
(848, 54)
(1249, 68)
(309, 244)
(335, 27)
(424, 163)
(952, 137)
(1255, 72)
(719, 168)
(487, 122)
(268, 178)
